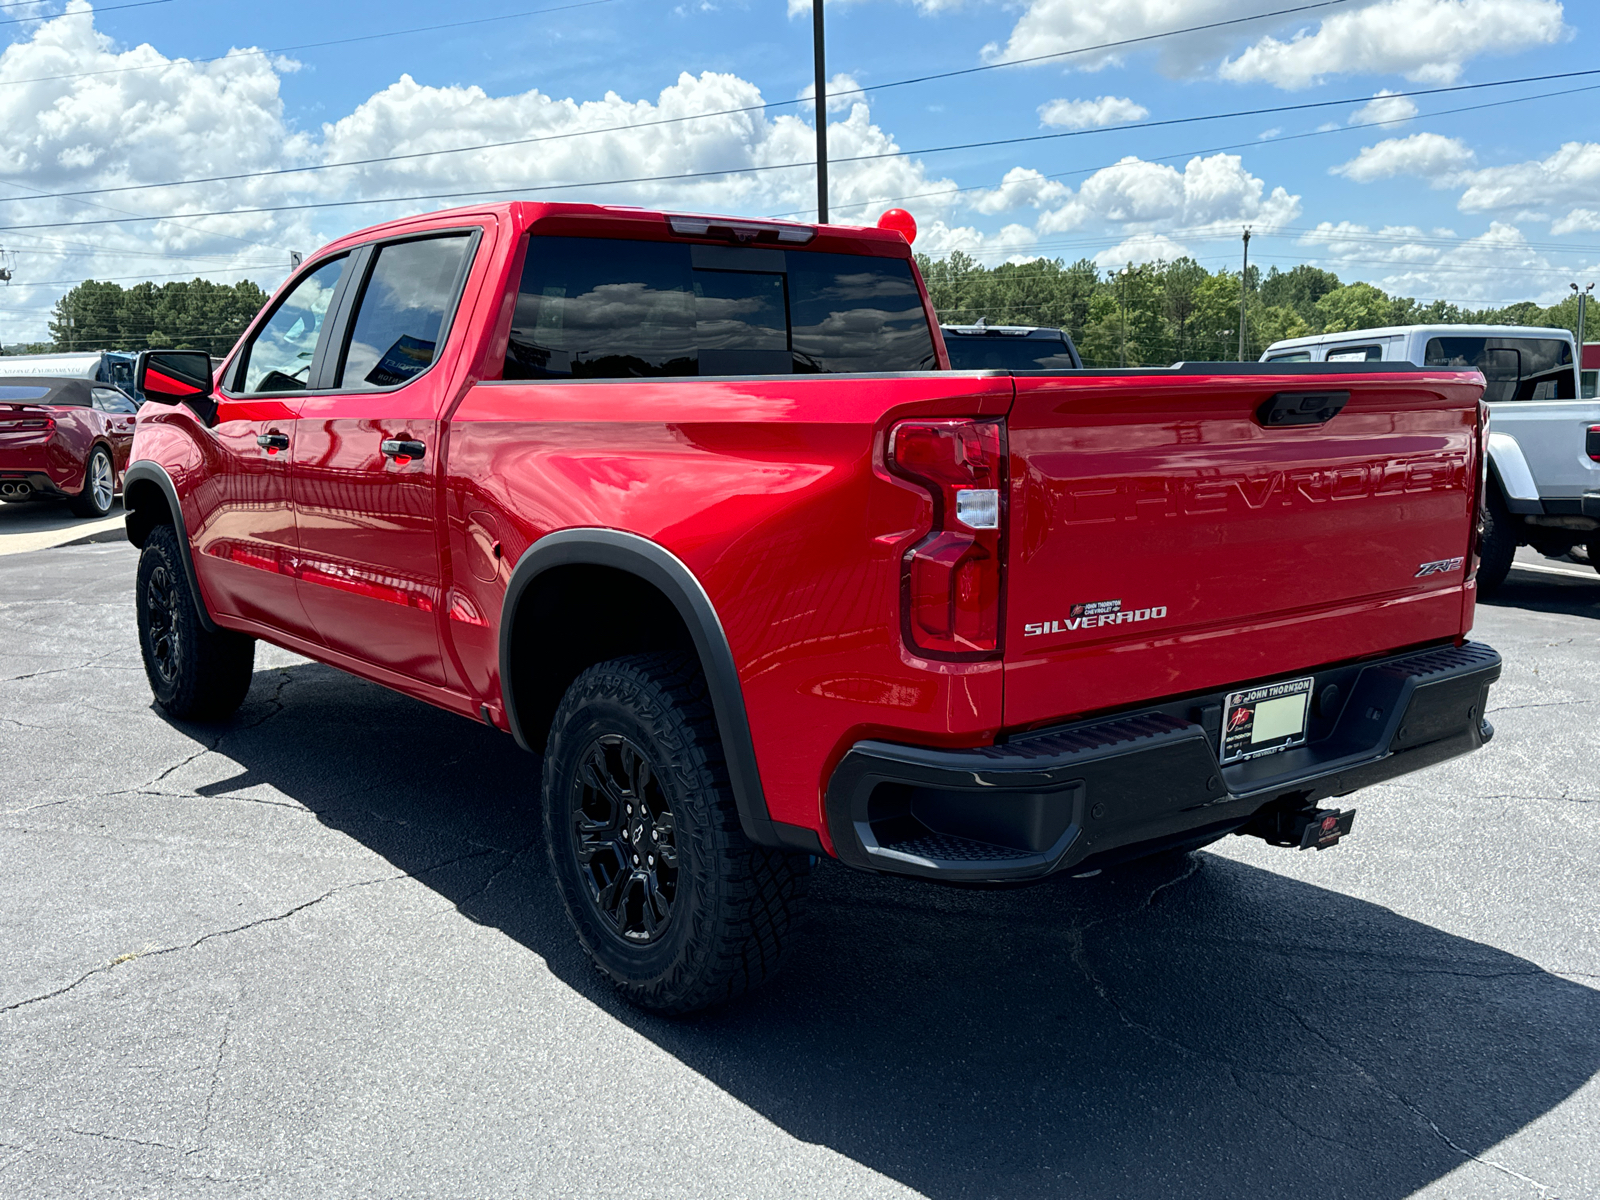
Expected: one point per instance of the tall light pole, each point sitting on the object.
(1244, 285)
(1583, 299)
(818, 43)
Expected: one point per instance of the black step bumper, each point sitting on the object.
(1093, 792)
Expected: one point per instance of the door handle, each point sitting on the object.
(402, 451)
(273, 442)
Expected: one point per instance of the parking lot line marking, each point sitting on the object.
(1544, 570)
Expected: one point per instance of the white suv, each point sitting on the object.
(1544, 465)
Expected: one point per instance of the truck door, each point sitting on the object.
(245, 547)
(365, 474)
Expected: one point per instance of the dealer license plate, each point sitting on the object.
(1265, 719)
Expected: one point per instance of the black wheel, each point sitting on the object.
(195, 675)
(1499, 543)
(99, 485)
(1594, 551)
(669, 899)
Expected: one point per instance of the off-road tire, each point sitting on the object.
(1499, 544)
(735, 906)
(96, 501)
(195, 674)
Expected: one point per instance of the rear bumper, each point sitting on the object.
(1586, 505)
(1101, 790)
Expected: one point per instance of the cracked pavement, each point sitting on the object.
(315, 951)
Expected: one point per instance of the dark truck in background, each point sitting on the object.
(695, 508)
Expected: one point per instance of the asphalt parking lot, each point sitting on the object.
(315, 953)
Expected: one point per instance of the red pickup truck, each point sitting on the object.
(694, 507)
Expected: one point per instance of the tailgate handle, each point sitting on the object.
(1301, 408)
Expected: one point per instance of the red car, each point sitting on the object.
(695, 507)
(64, 438)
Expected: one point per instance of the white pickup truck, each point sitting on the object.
(1544, 442)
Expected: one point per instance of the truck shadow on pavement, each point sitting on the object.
(1548, 593)
(1189, 1028)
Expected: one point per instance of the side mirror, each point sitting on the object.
(177, 377)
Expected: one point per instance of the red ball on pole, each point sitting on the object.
(902, 222)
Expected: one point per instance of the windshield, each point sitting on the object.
(1514, 368)
(1006, 352)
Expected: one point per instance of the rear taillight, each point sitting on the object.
(31, 424)
(1591, 443)
(1480, 492)
(951, 581)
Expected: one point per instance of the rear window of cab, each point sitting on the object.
(609, 308)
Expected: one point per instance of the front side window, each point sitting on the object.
(279, 357)
(409, 296)
(608, 308)
(1513, 368)
(1354, 354)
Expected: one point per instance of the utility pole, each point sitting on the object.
(1122, 303)
(817, 44)
(1583, 298)
(1244, 286)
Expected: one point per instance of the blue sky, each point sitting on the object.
(1482, 207)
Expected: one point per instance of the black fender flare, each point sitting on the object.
(658, 566)
(144, 471)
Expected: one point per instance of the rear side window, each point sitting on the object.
(1354, 354)
(607, 308)
(410, 294)
(107, 400)
(279, 357)
(1514, 368)
(1292, 356)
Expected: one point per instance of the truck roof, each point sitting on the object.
(626, 221)
(1320, 339)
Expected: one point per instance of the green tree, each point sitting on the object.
(1354, 306)
(192, 315)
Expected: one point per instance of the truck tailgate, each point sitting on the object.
(1163, 540)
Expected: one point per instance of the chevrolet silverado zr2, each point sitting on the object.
(694, 508)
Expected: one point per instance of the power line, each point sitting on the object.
(1256, 143)
(85, 12)
(367, 37)
(749, 108)
(523, 189)
(1039, 137)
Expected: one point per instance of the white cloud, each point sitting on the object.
(1209, 197)
(836, 103)
(1569, 176)
(1579, 220)
(1421, 39)
(1425, 40)
(1087, 114)
(1021, 185)
(1491, 269)
(1141, 248)
(1431, 156)
(939, 239)
(180, 119)
(1385, 108)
